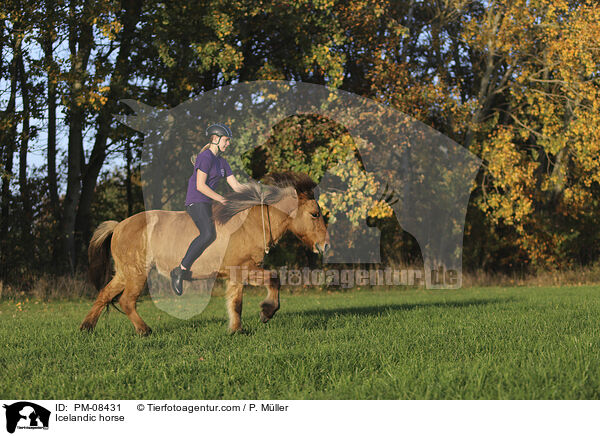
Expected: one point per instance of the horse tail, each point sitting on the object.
(100, 270)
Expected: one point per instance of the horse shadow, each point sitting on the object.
(319, 318)
(200, 324)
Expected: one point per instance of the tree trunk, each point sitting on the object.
(80, 44)
(27, 216)
(131, 14)
(2, 26)
(486, 88)
(8, 136)
(49, 38)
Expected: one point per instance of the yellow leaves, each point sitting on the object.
(381, 210)
(269, 72)
(576, 52)
(111, 29)
(163, 53)
(98, 97)
(398, 29)
(544, 161)
(513, 178)
(331, 63)
(323, 4)
(221, 23)
(359, 200)
(226, 57)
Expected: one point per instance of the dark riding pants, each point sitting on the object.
(201, 213)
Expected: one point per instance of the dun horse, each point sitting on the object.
(159, 239)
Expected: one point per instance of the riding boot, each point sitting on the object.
(178, 275)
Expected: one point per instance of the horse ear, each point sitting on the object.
(289, 203)
(143, 120)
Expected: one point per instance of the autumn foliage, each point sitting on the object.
(515, 82)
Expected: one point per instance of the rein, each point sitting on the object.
(263, 227)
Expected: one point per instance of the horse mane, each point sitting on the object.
(302, 183)
(275, 186)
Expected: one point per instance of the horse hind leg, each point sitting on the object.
(133, 288)
(270, 305)
(106, 295)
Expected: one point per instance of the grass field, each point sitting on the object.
(492, 343)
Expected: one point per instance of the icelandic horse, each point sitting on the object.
(257, 214)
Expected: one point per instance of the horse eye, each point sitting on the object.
(316, 214)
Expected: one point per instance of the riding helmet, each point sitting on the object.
(219, 130)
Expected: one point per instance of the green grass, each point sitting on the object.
(492, 343)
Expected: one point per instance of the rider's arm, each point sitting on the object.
(205, 189)
(235, 185)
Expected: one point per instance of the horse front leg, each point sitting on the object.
(270, 305)
(234, 305)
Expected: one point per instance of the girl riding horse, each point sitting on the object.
(209, 169)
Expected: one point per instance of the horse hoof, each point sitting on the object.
(146, 332)
(238, 331)
(267, 311)
(264, 318)
(86, 327)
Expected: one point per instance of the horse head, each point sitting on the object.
(306, 219)
(308, 225)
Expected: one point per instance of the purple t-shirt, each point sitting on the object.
(215, 168)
